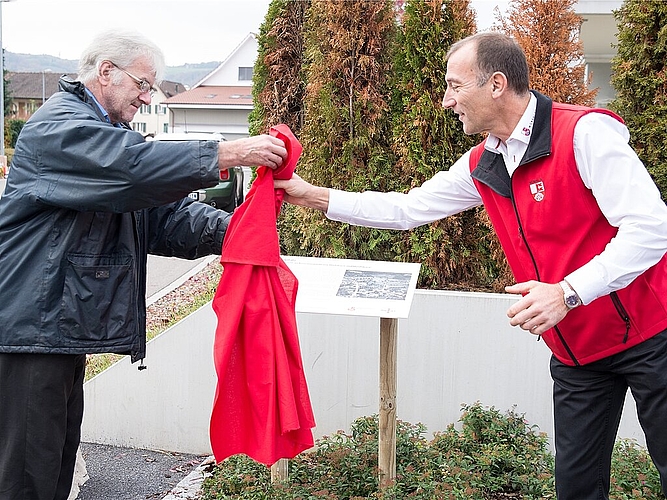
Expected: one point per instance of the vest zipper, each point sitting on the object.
(622, 313)
(537, 273)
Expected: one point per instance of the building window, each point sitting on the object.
(165, 128)
(145, 110)
(245, 74)
(139, 127)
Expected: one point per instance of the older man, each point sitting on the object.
(86, 200)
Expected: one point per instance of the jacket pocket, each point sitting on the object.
(98, 301)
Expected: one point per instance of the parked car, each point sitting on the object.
(228, 193)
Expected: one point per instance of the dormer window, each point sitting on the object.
(245, 74)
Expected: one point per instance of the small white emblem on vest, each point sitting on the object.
(537, 190)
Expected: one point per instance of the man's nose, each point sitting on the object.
(447, 100)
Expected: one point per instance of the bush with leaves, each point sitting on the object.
(493, 453)
(489, 455)
(13, 128)
(633, 475)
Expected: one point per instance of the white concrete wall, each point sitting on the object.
(454, 348)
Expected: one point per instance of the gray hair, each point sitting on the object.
(122, 48)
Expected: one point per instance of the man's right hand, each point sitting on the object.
(300, 192)
(260, 150)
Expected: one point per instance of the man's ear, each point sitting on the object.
(104, 72)
(498, 83)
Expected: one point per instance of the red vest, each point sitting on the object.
(549, 224)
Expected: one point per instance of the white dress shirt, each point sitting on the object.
(608, 166)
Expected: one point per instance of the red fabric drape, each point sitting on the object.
(262, 407)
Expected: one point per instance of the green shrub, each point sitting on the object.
(492, 456)
(12, 130)
(633, 475)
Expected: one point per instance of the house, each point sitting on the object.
(598, 35)
(29, 90)
(221, 101)
(153, 118)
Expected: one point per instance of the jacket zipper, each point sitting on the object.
(136, 287)
(622, 313)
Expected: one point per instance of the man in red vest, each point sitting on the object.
(584, 230)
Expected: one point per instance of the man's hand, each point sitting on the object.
(541, 307)
(300, 192)
(260, 150)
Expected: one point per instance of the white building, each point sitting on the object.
(598, 34)
(153, 118)
(222, 101)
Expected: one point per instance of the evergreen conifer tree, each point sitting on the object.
(548, 33)
(278, 85)
(347, 133)
(639, 75)
(459, 251)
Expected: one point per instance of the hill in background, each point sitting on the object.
(187, 74)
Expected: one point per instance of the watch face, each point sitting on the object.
(571, 301)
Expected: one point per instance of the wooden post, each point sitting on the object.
(387, 424)
(280, 471)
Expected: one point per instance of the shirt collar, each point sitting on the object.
(522, 131)
(102, 110)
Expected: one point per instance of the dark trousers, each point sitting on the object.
(41, 409)
(588, 401)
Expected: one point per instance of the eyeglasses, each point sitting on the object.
(144, 85)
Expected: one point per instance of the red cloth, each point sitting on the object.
(261, 406)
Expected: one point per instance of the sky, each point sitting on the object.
(188, 31)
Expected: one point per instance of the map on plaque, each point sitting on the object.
(354, 287)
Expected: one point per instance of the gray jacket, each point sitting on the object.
(84, 203)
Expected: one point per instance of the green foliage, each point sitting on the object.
(12, 130)
(278, 83)
(489, 455)
(454, 252)
(639, 75)
(238, 477)
(495, 453)
(633, 475)
(374, 121)
(6, 94)
(347, 133)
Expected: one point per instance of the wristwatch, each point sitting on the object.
(570, 297)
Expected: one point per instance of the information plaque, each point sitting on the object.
(361, 288)
(354, 287)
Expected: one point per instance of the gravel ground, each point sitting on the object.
(165, 309)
